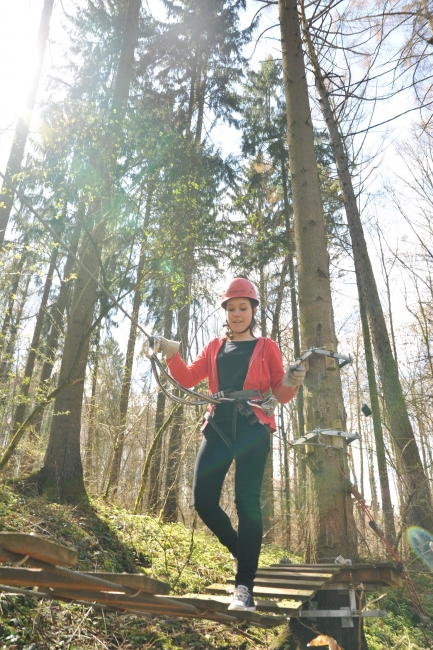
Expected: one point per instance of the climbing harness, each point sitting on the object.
(242, 404)
(243, 399)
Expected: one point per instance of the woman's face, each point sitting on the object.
(239, 314)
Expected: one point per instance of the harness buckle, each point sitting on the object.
(268, 405)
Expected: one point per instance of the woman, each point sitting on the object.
(236, 362)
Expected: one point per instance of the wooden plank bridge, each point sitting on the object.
(281, 590)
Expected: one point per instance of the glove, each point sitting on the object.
(294, 376)
(159, 343)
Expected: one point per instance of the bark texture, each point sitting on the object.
(170, 509)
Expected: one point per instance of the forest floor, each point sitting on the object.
(111, 539)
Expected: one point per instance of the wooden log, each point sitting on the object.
(133, 581)
(39, 548)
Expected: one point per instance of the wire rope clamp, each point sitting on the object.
(332, 359)
(314, 438)
(151, 346)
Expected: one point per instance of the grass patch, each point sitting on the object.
(111, 539)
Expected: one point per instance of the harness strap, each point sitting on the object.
(241, 395)
(221, 434)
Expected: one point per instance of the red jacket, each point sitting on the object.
(264, 371)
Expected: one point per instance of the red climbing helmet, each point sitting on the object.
(239, 288)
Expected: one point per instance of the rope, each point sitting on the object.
(413, 594)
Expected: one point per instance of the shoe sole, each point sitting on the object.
(241, 609)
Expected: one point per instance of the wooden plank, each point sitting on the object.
(344, 586)
(285, 583)
(325, 568)
(279, 607)
(295, 575)
(384, 576)
(271, 592)
(57, 578)
(133, 581)
(219, 604)
(39, 548)
(146, 602)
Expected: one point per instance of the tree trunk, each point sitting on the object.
(62, 472)
(10, 347)
(331, 530)
(113, 481)
(170, 508)
(155, 466)
(57, 323)
(90, 466)
(296, 337)
(388, 513)
(415, 481)
(150, 456)
(23, 125)
(12, 297)
(34, 345)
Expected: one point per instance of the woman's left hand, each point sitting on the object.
(294, 376)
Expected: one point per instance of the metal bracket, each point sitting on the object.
(311, 435)
(343, 612)
(347, 614)
(327, 353)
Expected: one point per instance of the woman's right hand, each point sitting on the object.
(160, 343)
(294, 376)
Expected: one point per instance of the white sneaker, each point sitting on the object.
(243, 600)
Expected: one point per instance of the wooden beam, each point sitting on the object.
(133, 581)
(39, 548)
